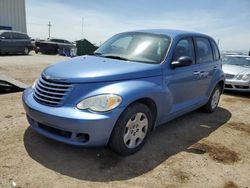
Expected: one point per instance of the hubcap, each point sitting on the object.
(26, 50)
(135, 130)
(215, 99)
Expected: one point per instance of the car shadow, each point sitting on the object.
(102, 165)
(237, 94)
(8, 55)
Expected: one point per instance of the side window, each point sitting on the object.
(204, 51)
(67, 42)
(23, 36)
(185, 47)
(6, 35)
(16, 36)
(215, 51)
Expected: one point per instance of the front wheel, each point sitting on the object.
(131, 130)
(26, 51)
(213, 101)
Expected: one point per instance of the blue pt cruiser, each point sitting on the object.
(131, 84)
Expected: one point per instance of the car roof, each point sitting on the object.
(11, 31)
(170, 32)
(56, 39)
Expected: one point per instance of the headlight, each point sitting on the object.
(34, 84)
(100, 103)
(246, 77)
(242, 76)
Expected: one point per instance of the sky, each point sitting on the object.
(227, 21)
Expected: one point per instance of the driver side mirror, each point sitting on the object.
(183, 61)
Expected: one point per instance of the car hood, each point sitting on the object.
(99, 69)
(234, 69)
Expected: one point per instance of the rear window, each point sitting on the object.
(204, 51)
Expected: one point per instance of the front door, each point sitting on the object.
(6, 42)
(182, 81)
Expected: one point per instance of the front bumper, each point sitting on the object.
(68, 124)
(237, 85)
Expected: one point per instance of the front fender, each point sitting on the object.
(133, 90)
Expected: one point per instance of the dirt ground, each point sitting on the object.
(196, 150)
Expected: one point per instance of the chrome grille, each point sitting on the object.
(51, 92)
(229, 76)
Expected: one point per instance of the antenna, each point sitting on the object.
(49, 28)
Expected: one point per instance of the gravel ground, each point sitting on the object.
(195, 150)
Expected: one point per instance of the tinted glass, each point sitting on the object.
(7, 35)
(215, 50)
(204, 50)
(57, 40)
(19, 36)
(185, 47)
(67, 42)
(141, 47)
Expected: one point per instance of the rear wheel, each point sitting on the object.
(131, 130)
(213, 100)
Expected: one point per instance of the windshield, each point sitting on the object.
(141, 47)
(241, 61)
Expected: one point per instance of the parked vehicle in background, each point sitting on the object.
(13, 42)
(54, 46)
(134, 82)
(223, 53)
(237, 72)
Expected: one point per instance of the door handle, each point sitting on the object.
(197, 73)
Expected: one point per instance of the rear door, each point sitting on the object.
(20, 41)
(207, 68)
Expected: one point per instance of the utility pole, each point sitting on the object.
(82, 28)
(49, 28)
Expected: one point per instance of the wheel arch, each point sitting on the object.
(221, 83)
(151, 104)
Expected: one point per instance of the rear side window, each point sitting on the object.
(185, 47)
(19, 36)
(57, 40)
(215, 51)
(204, 52)
(67, 42)
(6, 35)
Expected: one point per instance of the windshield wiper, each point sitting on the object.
(96, 54)
(115, 57)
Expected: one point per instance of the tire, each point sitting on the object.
(36, 51)
(26, 51)
(131, 130)
(213, 101)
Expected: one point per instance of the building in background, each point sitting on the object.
(13, 15)
(84, 47)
